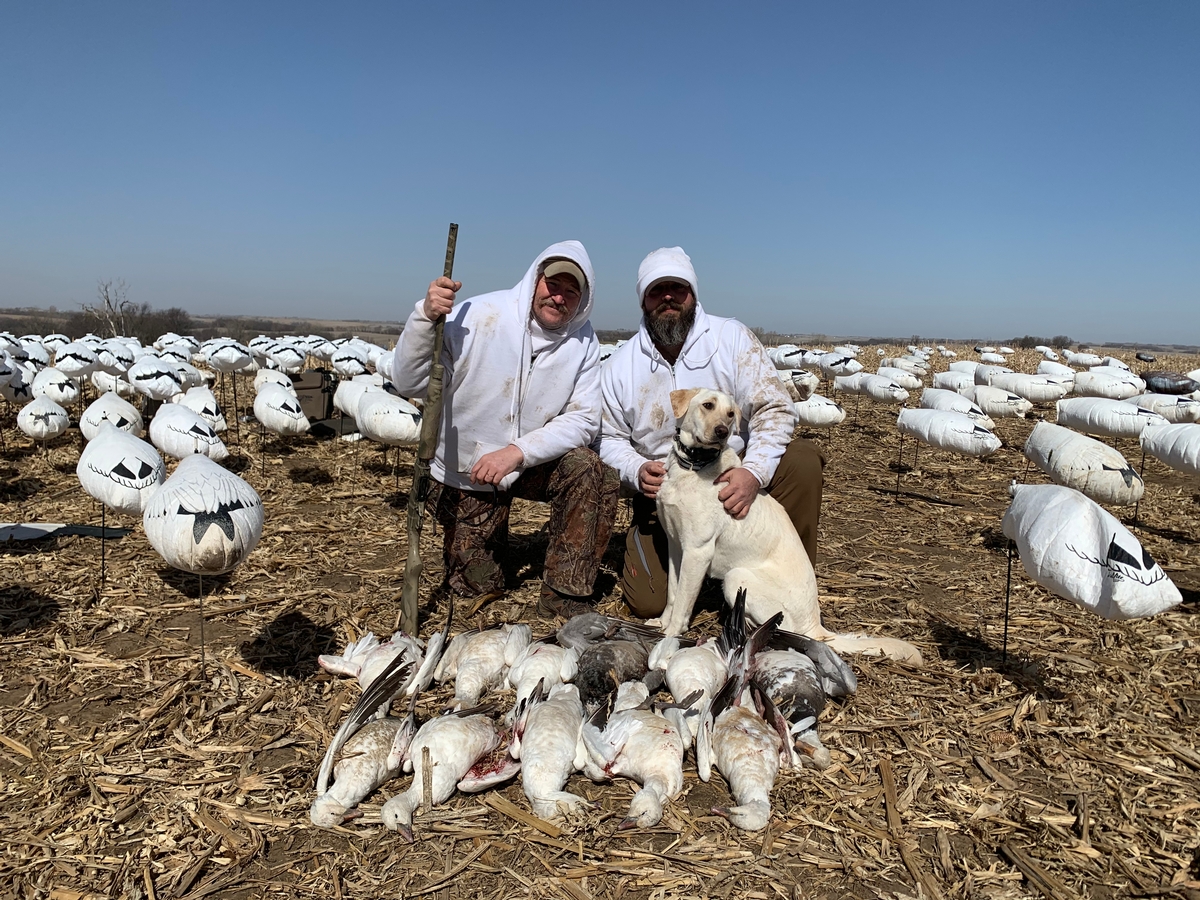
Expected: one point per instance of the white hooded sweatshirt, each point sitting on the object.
(723, 354)
(507, 381)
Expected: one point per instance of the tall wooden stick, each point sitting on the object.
(430, 422)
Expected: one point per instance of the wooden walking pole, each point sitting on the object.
(430, 422)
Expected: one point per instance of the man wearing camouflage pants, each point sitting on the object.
(521, 406)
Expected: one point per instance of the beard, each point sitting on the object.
(672, 331)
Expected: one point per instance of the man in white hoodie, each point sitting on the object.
(521, 405)
(680, 346)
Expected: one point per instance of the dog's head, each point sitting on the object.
(704, 417)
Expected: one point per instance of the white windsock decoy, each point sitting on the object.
(912, 367)
(1048, 367)
(43, 419)
(1034, 388)
(6, 367)
(820, 412)
(947, 431)
(1077, 461)
(17, 386)
(997, 403)
(1077, 550)
(113, 356)
(120, 470)
(189, 375)
(180, 432)
(75, 359)
(985, 349)
(1007, 350)
(991, 358)
(274, 376)
(954, 381)
(203, 401)
(53, 341)
(346, 397)
(952, 401)
(1082, 359)
(35, 352)
(902, 377)
(984, 373)
(176, 352)
(1047, 352)
(322, 348)
(1177, 409)
(964, 365)
(1103, 384)
(288, 357)
(203, 519)
(105, 383)
(57, 385)
(801, 383)
(350, 360)
(388, 419)
(229, 356)
(110, 408)
(1176, 445)
(155, 378)
(1109, 418)
(851, 384)
(1112, 362)
(880, 389)
(948, 354)
(279, 411)
(836, 364)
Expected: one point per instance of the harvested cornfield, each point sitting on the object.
(1054, 755)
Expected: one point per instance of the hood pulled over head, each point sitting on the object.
(574, 251)
(665, 263)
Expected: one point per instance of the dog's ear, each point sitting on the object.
(680, 401)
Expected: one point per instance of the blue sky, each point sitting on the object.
(942, 169)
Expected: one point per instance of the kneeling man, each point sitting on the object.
(521, 405)
(680, 346)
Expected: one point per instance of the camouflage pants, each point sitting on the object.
(582, 493)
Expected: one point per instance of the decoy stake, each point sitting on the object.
(425, 449)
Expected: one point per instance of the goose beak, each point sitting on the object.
(406, 833)
(627, 823)
(722, 811)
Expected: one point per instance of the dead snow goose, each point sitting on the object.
(455, 744)
(550, 751)
(639, 744)
(478, 660)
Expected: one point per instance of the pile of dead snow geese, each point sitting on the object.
(580, 700)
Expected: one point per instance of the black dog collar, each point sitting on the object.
(694, 458)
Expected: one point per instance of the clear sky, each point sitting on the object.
(888, 168)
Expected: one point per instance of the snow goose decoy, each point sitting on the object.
(180, 432)
(111, 409)
(1077, 550)
(43, 419)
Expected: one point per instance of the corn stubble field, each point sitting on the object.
(1068, 769)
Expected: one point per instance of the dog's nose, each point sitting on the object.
(721, 431)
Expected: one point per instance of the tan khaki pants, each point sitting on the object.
(796, 485)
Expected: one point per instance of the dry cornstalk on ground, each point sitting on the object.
(1068, 768)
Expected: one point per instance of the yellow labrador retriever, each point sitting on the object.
(761, 553)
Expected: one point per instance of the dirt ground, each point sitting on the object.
(1067, 767)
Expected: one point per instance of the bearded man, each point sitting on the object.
(520, 408)
(680, 346)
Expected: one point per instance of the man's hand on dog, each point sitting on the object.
(650, 478)
(741, 487)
